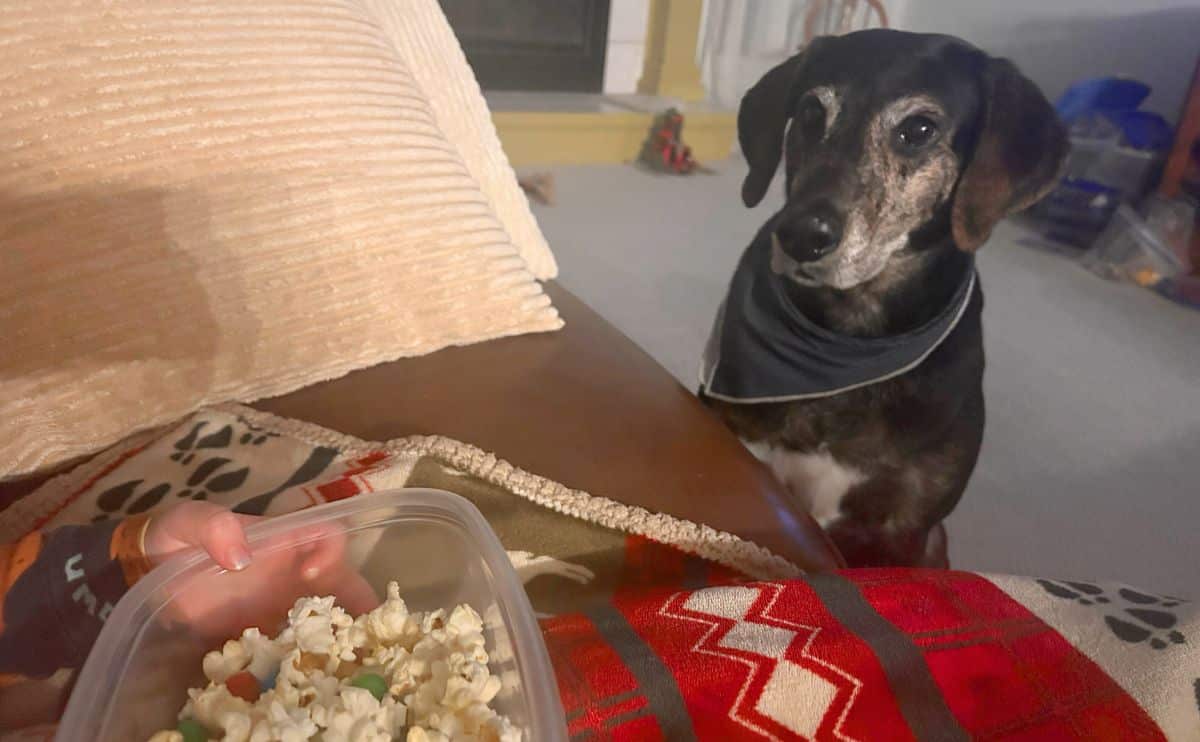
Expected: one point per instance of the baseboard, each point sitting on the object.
(587, 137)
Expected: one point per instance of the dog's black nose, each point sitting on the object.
(811, 234)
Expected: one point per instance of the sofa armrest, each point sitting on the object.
(584, 406)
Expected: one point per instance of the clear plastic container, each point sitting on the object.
(435, 544)
(1129, 171)
(1128, 250)
(1174, 220)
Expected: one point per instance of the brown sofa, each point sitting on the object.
(584, 406)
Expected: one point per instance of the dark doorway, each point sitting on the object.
(533, 44)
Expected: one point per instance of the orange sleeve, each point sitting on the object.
(57, 587)
(129, 549)
(14, 560)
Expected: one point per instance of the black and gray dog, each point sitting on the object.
(848, 354)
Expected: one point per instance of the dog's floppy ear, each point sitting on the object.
(762, 119)
(1017, 157)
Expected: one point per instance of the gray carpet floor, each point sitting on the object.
(1091, 460)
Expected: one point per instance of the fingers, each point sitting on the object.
(318, 552)
(323, 554)
(204, 524)
(223, 537)
(317, 556)
(354, 594)
(325, 567)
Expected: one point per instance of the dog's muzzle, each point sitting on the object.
(809, 234)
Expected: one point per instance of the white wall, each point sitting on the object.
(742, 39)
(1059, 41)
(739, 40)
(626, 45)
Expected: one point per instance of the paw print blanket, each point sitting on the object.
(663, 629)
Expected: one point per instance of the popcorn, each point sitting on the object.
(435, 666)
(313, 624)
(265, 654)
(232, 658)
(391, 623)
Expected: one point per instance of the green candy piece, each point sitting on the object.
(372, 683)
(192, 731)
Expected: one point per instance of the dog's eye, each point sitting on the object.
(811, 118)
(915, 132)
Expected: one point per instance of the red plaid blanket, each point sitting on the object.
(881, 655)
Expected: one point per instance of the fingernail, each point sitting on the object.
(240, 557)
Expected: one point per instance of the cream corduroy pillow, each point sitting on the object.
(219, 200)
(423, 38)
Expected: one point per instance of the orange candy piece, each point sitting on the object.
(244, 686)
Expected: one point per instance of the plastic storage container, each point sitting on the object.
(1128, 250)
(1174, 220)
(435, 544)
(1125, 169)
(1075, 212)
(1099, 175)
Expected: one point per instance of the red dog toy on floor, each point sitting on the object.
(664, 150)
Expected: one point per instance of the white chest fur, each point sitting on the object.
(815, 478)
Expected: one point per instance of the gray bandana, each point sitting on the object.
(762, 349)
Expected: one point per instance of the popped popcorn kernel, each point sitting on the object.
(389, 674)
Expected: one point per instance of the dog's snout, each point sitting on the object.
(810, 234)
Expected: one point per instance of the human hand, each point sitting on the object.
(217, 530)
(259, 588)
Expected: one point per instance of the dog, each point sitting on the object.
(848, 353)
